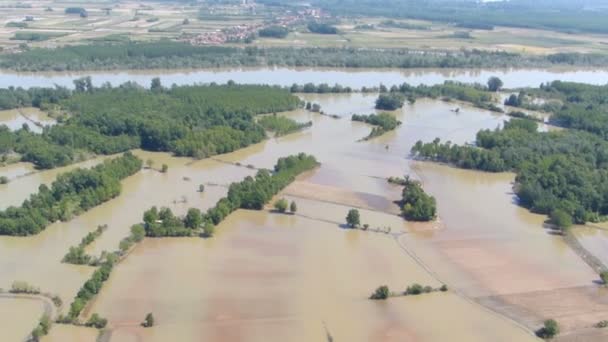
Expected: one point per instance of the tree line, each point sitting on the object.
(70, 194)
(171, 55)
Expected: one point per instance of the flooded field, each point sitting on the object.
(304, 277)
(18, 316)
(355, 78)
(34, 118)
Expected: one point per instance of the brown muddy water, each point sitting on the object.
(301, 277)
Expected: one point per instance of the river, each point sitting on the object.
(355, 78)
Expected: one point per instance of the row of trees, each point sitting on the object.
(168, 54)
(322, 88)
(70, 194)
(255, 192)
(76, 254)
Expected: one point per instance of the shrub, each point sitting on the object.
(414, 289)
(353, 219)
(604, 277)
(148, 321)
(293, 207)
(281, 205)
(549, 330)
(381, 293)
(443, 288)
(96, 321)
(602, 324)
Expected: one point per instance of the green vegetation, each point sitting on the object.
(549, 330)
(18, 24)
(70, 194)
(254, 192)
(43, 327)
(161, 223)
(602, 324)
(77, 255)
(604, 277)
(274, 32)
(353, 219)
(381, 293)
(416, 204)
(321, 28)
(96, 321)
(384, 122)
(75, 10)
(494, 84)
(3, 180)
(390, 101)
(323, 88)
(23, 287)
(148, 321)
(562, 174)
(172, 55)
(90, 288)
(196, 121)
(36, 36)
(403, 25)
(293, 207)
(476, 94)
(281, 125)
(281, 205)
(567, 16)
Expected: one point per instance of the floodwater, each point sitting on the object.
(34, 118)
(303, 277)
(18, 317)
(355, 78)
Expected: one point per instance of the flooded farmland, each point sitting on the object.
(304, 277)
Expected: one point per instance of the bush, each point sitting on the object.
(381, 293)
(3, 180)
(604, 277)
(443, 288)
(549, 330)
(561, 219)
(390, 101)
(353, 219)
(96, 322)
(602, 324)
(208, 229)
(281, 205)
(293, 207)
(414, 289)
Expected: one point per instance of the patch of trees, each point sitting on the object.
(70, 194)
(195, 121)
(42, 329)
(390, 101)
(476, 94)
(321, 28)
(281, 205)
(416, 204)
(172, 55)
(90, 288)
(563, 174)
(274, 32)
(254, 192)
(162, 223)
(76, 254)
(323, 88)
(281, 125)
(384, 122)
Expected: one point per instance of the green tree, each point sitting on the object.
(201, 188)
(281, 205)
(381, 293)
(164, 168)
(494, 83)
(549, 330)
(208, 229)
(3, 180)
(148, 321)
(293, 207)
(193, 218)
(353, 219)
(155, 85)
(561, 219)
(604, 277)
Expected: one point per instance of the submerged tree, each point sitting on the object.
(148, 321)
(281, 205)
(494, 83)
(353, 219)
(381, 293)
(293, 207)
